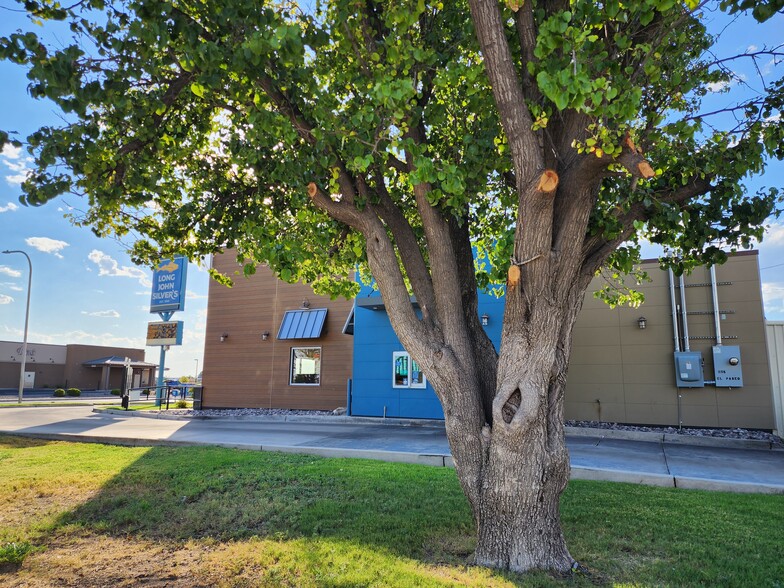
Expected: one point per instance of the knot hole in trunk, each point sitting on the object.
(510, 406)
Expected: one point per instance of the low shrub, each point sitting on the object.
(116, 392)
(180, 404)
(59, 393)
(14, 553)
(73, 392)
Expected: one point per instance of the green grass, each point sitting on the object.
(33, 403)
(151, 406)
(280, 520)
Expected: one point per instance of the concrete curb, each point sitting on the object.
(673, 438)
(594, 474)
(378, 455)
(726, 486)
(649, 436)
(718, 442)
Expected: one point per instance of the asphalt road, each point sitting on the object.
(592, 457)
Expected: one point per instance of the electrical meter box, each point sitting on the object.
(727, 366)
(688, 369)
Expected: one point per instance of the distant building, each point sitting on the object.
(87, 367)
(624, 366)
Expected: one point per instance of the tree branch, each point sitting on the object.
(410, 251)
(596, 249)
(509, 97)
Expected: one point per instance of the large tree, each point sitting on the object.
(409, 137)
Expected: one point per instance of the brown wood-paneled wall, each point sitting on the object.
(246, 371)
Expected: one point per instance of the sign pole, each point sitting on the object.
(165, 316)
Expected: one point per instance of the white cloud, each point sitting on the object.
(11, 286)
(717, 86)
(16, 179)
(774, 235)
(11, 152)
(9, 207)
(103, 313)
(108, 266)
(14, 160)
(4, 269)
(47, 245)
(773, 296)
(769, 66)
(751, 49)
(193, 296)
(4, 299)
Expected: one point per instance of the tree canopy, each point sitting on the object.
(197, 126)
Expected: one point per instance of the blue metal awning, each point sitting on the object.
(302, 324)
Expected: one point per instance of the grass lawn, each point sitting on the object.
(29, 403)
(144, 405)
(76, 514)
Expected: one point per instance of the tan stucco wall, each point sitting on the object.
(623, 374)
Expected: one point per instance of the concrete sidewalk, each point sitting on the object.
(595, 457)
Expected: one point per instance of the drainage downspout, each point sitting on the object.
(684, 316)
(674, 307)
(715, 292)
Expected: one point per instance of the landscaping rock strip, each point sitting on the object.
(745, 434)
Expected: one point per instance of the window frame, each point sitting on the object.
(409, 385)
(291, 365)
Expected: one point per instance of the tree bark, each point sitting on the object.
(524, 466)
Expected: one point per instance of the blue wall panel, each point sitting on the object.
(374, 344)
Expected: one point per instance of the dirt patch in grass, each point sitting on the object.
(30, 505)
(92, 560)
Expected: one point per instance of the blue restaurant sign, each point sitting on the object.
(168, 285)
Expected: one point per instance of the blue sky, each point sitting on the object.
(86, 290)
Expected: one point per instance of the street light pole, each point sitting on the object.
(27, 319)
(196, 379)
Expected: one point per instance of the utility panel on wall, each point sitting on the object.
(688, 369)
(727, 366)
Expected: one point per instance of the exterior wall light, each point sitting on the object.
(265, 335)
(734, 361)
(224, 337)
(642, 322)
(485, 320)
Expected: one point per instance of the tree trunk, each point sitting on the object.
(518, 520)
(524, 467)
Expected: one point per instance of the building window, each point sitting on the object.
(305, 366)
(406, 372)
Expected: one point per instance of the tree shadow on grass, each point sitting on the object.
(229, 495)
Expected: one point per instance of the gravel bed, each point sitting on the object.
(696, 432)
(244, 412)
(722, 433)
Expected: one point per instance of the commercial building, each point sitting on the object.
(694, 353)
(87, 367)
(274, 345)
